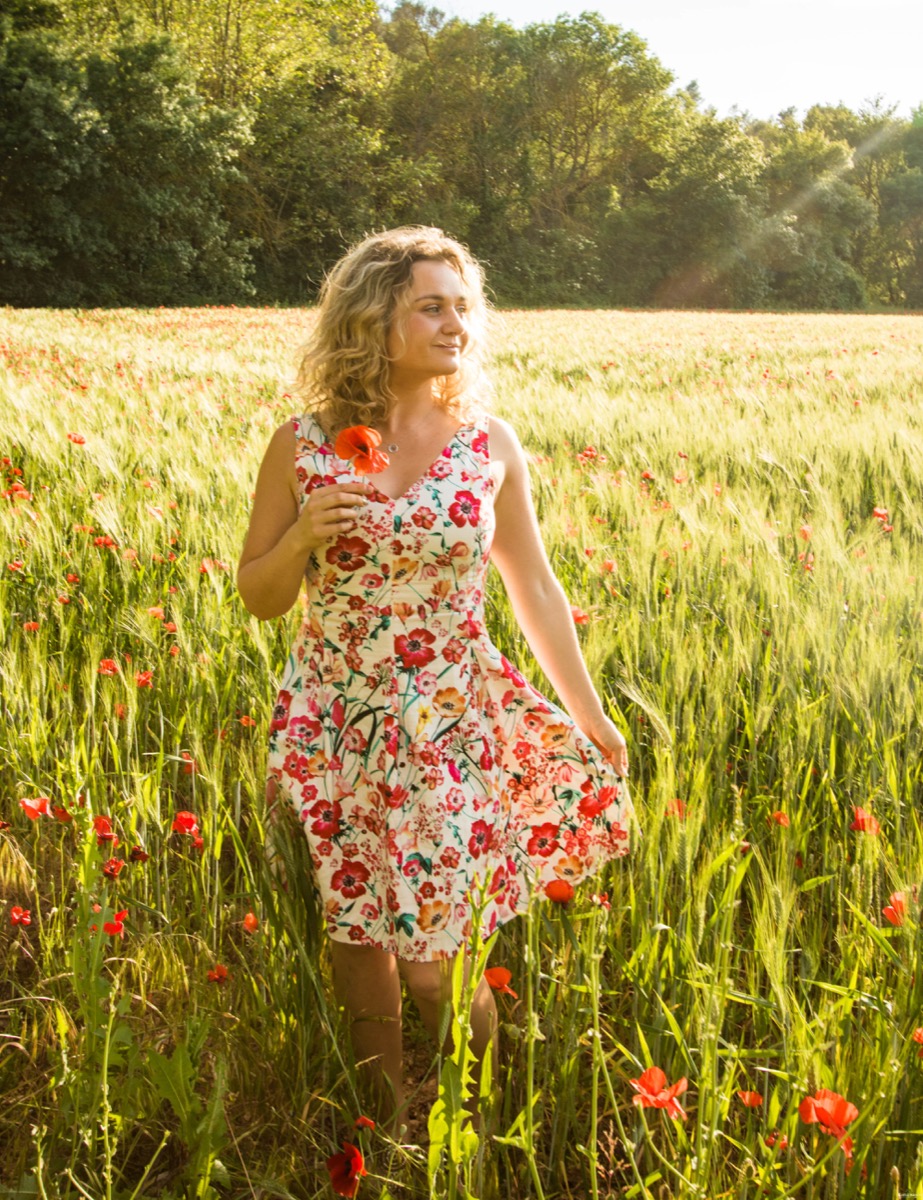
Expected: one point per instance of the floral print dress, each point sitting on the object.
(422, 764)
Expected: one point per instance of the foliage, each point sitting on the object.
(732, 500)
(113, 177)
(561, 152)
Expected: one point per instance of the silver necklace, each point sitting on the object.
(393, 447)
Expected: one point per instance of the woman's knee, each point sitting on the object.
(428, 983)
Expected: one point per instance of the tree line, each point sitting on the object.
(214, 151)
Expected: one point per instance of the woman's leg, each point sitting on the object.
(430, 985)
(367, 985)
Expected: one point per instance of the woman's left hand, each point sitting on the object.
(611, 744)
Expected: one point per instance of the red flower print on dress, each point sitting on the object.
(350, 880)
(280, 711)
(480, 840)
(327, 815)
(424, 518)
(348, 553)
(359, 445)
(345, 1170)
(653, 1092)
(415, 648)
(592, 805)
(544, 839)
(464, 509)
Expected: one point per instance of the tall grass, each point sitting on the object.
(707, 486)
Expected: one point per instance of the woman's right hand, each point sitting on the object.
(331, 510)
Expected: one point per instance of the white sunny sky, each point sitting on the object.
(760, 57)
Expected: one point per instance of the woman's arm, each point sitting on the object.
(538, 600)
(279, 539)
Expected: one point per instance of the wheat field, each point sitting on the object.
(732, 504)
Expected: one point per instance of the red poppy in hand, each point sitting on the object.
(359, 445)
(345, 1169)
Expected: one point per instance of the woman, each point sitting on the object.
(421, 763)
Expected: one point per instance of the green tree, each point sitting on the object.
(808, 193)
(113, 177)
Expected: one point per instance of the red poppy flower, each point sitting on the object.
(103, 826)
(880, 514)
(415, 648)
(190, 766)
(864, 822)
(247, 721)
(499, 979)
(364, 1123)
(112, 867)
(830, 1110)
(359, 445)
(896, 910)
(20, 916)
(35, 808)
(136, 854)
(346, 1168)
(781, 818)
(185, 822)
(676, 808)
(77, 438)
(579, 616)
(116, 926)
(30, 626)
(653, 1092)
(917, 1036)
(251, 922)
(750, 1099)
(61, 814)
(144, 679)
(776, 1139)
(559, 891)
(218, 973)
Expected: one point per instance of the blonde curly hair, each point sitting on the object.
(344, 370)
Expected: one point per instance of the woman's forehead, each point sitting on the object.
(435, 278)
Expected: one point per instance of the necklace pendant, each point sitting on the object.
(393, 447)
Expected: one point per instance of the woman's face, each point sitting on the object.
(430, 328)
